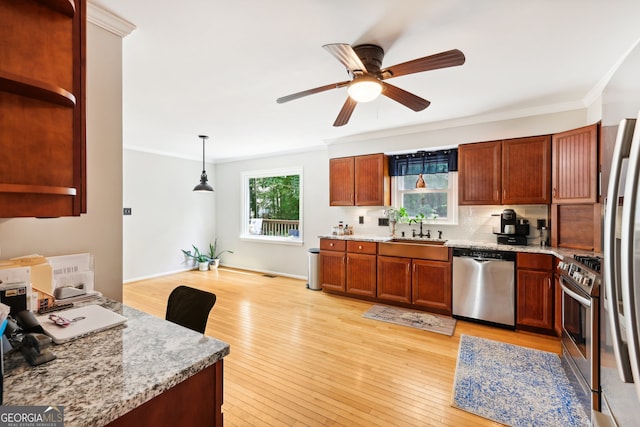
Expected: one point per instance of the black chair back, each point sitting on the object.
(190, 307)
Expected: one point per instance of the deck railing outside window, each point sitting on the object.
(279, 227)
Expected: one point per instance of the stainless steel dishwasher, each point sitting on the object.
(484, 285)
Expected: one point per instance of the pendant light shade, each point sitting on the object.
(204, 185)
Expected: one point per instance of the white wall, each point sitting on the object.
(271, 257)
(100, 230)
(166, 214)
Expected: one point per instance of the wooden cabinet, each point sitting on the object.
(341, 181)
(42, 108)
(332, 264)
(514, 171)
(535, 292)
(419, 282)
(431, 285)
(359, 181)
(575, 166)
(361, 268)
(394, 279)
(526, 170)
(480, 173)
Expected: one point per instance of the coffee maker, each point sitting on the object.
(513, 231)
(508, 222)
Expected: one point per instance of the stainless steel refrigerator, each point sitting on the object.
(620, 310)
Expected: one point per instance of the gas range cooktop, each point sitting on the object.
(593, 262)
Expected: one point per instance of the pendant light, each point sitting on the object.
(204, 185)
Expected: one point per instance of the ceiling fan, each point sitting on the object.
(367, 79)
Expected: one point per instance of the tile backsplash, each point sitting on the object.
(476, 223)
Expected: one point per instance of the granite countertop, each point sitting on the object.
(102, 376)
(561, 253)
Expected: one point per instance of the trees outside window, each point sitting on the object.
(272, 205)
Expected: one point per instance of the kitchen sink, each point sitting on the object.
(413, 248)
(419, 241)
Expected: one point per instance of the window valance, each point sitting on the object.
(424, 162)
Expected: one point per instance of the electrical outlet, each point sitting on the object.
(383, 222)
(360, 220)
(126, 211)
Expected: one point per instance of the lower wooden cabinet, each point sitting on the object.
(361, 268)
(394, 279)
(431, 285)
(535, 292)
(332, 264)
(418, 282)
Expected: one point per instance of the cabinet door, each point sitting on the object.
(479, 173)
(575, 166)
(341, 181)
(526, 170)
(431, 285)
(332, 270)
(372, 181)
(361, 274)
(535, 299)
(394, 279)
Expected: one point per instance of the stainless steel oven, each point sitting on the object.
(580, 327)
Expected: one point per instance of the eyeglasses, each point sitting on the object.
(63, 322)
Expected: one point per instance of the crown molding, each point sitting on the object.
(104, 18)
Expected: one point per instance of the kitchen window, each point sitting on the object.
(426, 183)
(272, 205)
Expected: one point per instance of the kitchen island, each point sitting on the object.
(146, 372)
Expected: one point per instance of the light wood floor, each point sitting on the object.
(305, 358)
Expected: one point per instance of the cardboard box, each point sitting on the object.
(40, 273)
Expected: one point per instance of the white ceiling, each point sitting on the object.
(216, 67)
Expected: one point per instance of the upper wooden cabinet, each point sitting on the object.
(480, 173)
(526, 170)
(514, 171)
(341, 181)
(359, 181)
(42, 108)
(575, 166)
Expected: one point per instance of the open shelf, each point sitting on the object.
(37, 189)
(35, 89)
(66, 7)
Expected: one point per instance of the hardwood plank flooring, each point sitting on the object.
(306, 358)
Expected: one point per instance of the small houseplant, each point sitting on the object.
(214, 255)
(202, 259)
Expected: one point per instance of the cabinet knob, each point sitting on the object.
(359, 246)
(330, 244)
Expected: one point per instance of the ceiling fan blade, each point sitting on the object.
(345, 112)
(311, 92)
(450, 58)
(405, 98)
(346, 55)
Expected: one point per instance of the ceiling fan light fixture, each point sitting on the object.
(204, 185)
(364, 89)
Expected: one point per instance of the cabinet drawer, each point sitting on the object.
(333, 245)
(362, 247)
(534, 261)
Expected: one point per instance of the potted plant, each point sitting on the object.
(214, 255)
(202, 259)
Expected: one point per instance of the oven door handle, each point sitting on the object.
(582, 300)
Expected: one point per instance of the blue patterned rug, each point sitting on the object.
(514, 385)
